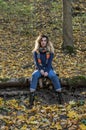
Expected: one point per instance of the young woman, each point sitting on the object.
(43, 55)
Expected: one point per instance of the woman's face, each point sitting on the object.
(43, 42)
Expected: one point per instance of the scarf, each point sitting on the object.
(47, 55)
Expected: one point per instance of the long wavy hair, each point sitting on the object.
(38, 43)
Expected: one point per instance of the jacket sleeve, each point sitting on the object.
(39, 67)
(49, 64)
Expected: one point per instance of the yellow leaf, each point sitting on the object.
(34, 129)
(1, 102)
(68, 107)
(24, 127)
(34, 122)
(72, 114)
(58, 126)
(21, 117)
(82, 127)
(32, 118)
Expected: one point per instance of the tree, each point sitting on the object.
(67, 26)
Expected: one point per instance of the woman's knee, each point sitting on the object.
(36, 74)
(52, 74)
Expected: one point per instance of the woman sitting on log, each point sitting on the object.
(43, 54)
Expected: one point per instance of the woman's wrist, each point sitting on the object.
(42, 72)
(45, 73)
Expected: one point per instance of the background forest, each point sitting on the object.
(20, 24)
(21, 21)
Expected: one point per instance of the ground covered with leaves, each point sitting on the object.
(21, 23)
(46, 114)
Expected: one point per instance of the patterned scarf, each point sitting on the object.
(47, 55)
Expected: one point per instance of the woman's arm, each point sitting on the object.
(49, 64)
(39, 67)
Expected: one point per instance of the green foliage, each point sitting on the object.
(18, 8)
(69, 49)
(76, 79)
(83, 121)
(4, 79)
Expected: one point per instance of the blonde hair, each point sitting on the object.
(38, 43)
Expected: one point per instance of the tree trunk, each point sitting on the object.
(67, 24)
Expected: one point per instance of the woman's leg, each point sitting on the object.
(54, 78)
(33, 84)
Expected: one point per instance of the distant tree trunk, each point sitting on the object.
(67, 25)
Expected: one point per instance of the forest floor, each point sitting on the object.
(19, 28)
(46, 113)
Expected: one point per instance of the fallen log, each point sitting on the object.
(20, 86)
(14, 82)
(23, 83)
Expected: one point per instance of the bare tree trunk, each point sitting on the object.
(67, 25)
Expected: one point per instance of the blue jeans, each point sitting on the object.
(52, 75)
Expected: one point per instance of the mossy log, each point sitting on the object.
(15, 82)
(23, 83)
(13, 87)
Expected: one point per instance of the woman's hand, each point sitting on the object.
(42, 72)
(45, 74)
